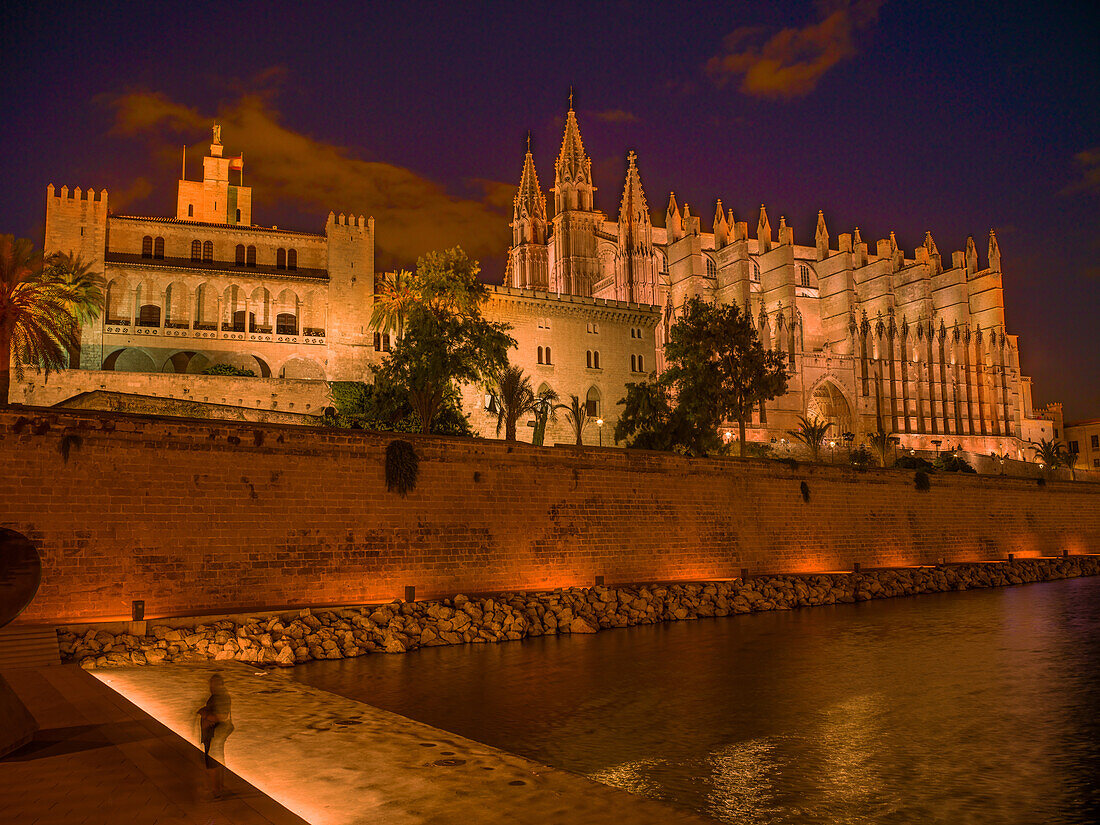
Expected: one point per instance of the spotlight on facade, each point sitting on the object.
(599, 423)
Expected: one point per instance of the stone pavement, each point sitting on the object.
(99, 760)
(335, 761)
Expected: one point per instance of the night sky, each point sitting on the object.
(885, 115)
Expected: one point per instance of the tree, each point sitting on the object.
(515, 398)
(445, 340)
(36, 324)
(396, 295)
(647, 419)
(577, 414)
(881, 441)
(83, 288)
(382, 407)
(1048, 452)
(811, 432)
(1069, 460)
(719, 369)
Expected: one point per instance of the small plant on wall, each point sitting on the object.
(402, 467)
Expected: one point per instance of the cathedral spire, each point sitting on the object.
(821, 237)
(635, 267)
(529, 205)
(573, 171)
(674, 225)
(930, 244)
(633, 209)
(994, 252)
(763, 232)
(721, 228)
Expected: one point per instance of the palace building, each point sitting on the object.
(915, 345)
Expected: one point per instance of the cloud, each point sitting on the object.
(616, 116)
(292, 170)
(1088, 166)
(790, 62)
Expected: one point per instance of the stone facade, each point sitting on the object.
(1083, 438)
(915, 344)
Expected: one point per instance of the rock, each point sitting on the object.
(155, 656)
(582, 625)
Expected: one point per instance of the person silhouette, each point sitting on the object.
(215, 725)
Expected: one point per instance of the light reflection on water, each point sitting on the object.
(977, 707)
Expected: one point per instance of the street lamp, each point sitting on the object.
(599, 423)
(832, 451)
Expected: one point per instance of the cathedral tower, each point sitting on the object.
(575, 267)
(528, 258)
(635, 264)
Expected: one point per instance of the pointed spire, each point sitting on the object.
(893, 241)
(821, 236)
(674, 225)
(994, 252)
(763, 231)
(633, 208)
(529, 205)
(930, 244)
(971, 255)
(857, 239)
(573, 170)
(721, 228)
(786, 233)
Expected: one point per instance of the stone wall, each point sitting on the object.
(201, 516)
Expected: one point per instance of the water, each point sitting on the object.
(963, 707)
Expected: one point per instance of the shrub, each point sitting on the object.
(951, 463)
(862, 458)
(912, 462)
(228, 369)
(402, 467)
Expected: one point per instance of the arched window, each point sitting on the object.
(540, 355)
(251, 255)
(280, 259)
(147, 246)
(190, 210)
(548, 361)
(592, 403)
(149, 316)
(196, 250)
(712, 269)
(207, 251)
(588, 358)
(804, 272)
(292, 259)
(756, 271)
(633, 363)
(641, 364)
(238, 216)
(240, 254)
(286, 323)
(158, 249)
(595, 359)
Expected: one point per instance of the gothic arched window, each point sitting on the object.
(592, 403)
(712, 268)
(756, 271)
(804, 272)
(196, 250)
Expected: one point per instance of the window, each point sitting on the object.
(712, 269)
(147, 246)
(641, 364)
(292, 259)
(544, 323)
(594, 329)
(240, 254)
(540, 355)
(149, 316)
(196, 250)
(190, 210)
(207, 251)
(593, 359)
(633, 363)
(251, 256)
(381, 342)
(1096, 462)
(592, 403)
(804, 271)
(1074, 448)
(756, 271)
(158, 249)
(1096, 442)
(238, 216)
(548, 361)
(280, 259)
(286, 323)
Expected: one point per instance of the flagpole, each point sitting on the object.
(183, 164)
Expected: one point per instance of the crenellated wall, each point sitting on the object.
(201, 516)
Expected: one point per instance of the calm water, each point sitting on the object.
(963, 707)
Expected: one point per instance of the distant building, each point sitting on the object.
(916, 346)
(1083, 439)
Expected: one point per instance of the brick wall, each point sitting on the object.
(195, 516)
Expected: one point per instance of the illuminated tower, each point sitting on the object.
(635, 264)
(528, 259)
(574, 267)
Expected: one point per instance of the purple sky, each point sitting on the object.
(886, 115)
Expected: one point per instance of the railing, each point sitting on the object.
(314, 332)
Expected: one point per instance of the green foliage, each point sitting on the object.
(577, 415)
(811, 432)
(912, 462)
(861, 458)
(1053, 454)
(445, 341)
(402, 467)
(37, 324)
(515, 398)
(385, 408)
(229, 369)
(950, 462)
(718, 371)
(881, 442)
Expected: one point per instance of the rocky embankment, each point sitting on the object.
(402, 626)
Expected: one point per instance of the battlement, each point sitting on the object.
(351, 221)
(65, 198)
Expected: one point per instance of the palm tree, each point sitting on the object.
(811, 432)
(1070, 459)
(515, 398)
(84, 291)
(396, 295)
(577, 413)
(1048, 452)
(881, 441)
(36, 324)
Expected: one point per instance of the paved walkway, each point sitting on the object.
(98, 759)
(335, 761)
